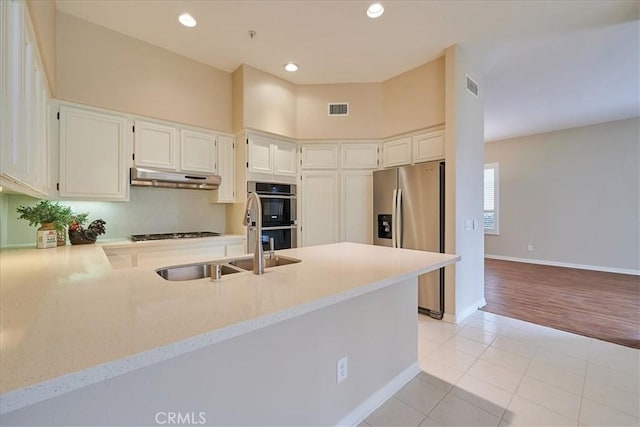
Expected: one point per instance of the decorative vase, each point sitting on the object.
(47, 237)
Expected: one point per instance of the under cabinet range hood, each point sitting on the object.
(154, 178)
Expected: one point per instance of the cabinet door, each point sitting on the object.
(320, 214)
(156, 145)
(320, 156)
(14, 155)
(285, 158)
(226, 193)
(428, 146)
(93, 155)
(397, 152)
(197, 152)
(357, 206)
(359, 156)
(259, 154)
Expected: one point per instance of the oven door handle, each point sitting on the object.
(281, 227)
(276, 196)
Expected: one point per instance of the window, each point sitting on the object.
(491, 191)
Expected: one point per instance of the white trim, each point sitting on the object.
(459, 318)
(567, 264)
(366, 408)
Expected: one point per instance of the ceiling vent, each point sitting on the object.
(472, 86)
(338, 108)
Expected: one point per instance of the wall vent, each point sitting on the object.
(338, 109)
(472, 86)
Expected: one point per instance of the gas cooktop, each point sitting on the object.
(163, 236)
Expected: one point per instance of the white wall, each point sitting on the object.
(464, 146)
(572, 194)
(151, 210)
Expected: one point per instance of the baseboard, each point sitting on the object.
(463, 314)
(367, 407)
(566, 264)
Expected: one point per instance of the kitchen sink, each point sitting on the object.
(247, 263)
(193, 271)
(239, 265)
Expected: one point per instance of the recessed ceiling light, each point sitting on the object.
(290, 66)
(375, 10)
(187, 20)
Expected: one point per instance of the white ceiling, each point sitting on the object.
(548, 64)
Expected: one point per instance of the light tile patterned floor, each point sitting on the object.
(496, 371)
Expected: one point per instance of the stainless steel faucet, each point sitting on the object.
(258, 253)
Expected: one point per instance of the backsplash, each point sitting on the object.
(150, 210)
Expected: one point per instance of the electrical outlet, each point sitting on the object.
(530, 247)
(342, 369)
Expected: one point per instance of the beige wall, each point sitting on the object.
(572, 194)
(269, 103)
(365, 111)
(464, 152)
(100, 67)
(43, 17)
(415, 99)
(237, 101)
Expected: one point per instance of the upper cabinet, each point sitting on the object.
(24, 143)
(271, 158)
(396, 152)
(156, 145)
(198, 151)
(360, 155)
(419, 148)
(169, 147)
(428, 146)
(94, 153)
(319, 156)
(226, 193)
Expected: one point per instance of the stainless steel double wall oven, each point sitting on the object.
(279, 220)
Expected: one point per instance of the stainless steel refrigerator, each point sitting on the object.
(408, 206)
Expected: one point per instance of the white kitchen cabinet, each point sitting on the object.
(428, 146)
(156, 145)
(271, 158)
(320, 208)
(359, 155)
(226, 193)
(396, 152)
(356, 192)
(198, 151)
(319, 156)
(259, 155)
(94, 153)
(285, 155)
(24, 156)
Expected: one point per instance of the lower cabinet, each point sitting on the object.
(356, 194)
(320, 203)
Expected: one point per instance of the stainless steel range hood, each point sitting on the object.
(154, 178)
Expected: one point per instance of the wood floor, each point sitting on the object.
(591, 303)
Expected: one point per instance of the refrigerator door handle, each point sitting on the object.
(398, 215)
(393, 218)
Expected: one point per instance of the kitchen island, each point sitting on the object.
(85, 343)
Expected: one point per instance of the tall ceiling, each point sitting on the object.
(548, 64)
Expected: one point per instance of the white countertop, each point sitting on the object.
(67, 319)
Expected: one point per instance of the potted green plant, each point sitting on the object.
(51, 216)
